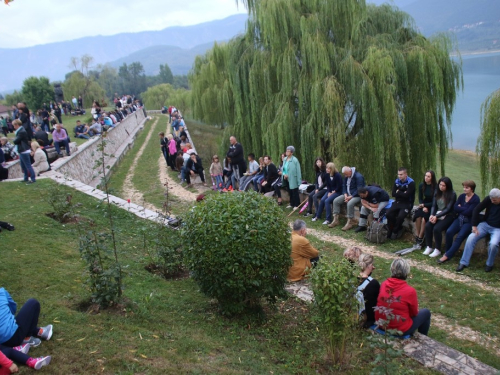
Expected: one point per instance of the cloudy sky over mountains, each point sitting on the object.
(30, 22)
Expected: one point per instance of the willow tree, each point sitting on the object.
(351, 82)
(488, 143)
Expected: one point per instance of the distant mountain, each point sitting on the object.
(475, 23)
(179, 60)
(52, 60)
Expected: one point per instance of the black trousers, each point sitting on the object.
(294, 197)
(436, 231)
(27, 322)
(396, 216)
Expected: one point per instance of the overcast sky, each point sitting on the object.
(30, 22)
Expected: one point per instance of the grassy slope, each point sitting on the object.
(165, 327)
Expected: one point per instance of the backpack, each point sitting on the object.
(377, 232)
(359, 294)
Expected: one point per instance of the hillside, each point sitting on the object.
(179, 60)
(475, 23)
(52, 60)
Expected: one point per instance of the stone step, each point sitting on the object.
(425, 350)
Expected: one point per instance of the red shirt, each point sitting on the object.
(5, 364)
(406, 308)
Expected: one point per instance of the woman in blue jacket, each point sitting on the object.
(462, 225)
(292, 176)
(22, 328)
(334, 189)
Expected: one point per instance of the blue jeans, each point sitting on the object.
(256, 180)
(65, 143)
(26, 166)
(83, 136)
(314, 199)
(422, 322)
(463, 232)
(326, 201)
(484, 229)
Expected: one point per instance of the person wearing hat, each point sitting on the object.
(292, 176)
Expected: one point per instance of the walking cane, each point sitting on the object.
(296, 208)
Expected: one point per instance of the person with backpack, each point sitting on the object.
(368, 290)
(403, 191)
(373, 200)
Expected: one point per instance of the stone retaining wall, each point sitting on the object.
(80, 165)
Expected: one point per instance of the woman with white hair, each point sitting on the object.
(396, 294)
(369, 288)
(292, 176)
(40, 164)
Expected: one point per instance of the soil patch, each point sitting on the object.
(154, 269)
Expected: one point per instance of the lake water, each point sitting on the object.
(481, 77)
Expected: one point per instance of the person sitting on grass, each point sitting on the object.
(352, 254)
(194, 166)
(304, 255)
(490, 225)
(373, 200)
(16, 331)
(396, 294)
(10, 356)
(369, 288)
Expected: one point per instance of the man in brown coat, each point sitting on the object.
(304, 255)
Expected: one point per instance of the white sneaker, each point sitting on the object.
(326, 222)
(289, 206)
(427, 251)
(314, 218)
(435, 253)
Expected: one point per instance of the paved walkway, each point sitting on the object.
(423, 349)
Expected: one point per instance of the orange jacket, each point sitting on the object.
(302, 253)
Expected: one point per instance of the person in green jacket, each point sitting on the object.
(3, 125)
(292, 176)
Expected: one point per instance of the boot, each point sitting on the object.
(335, 221)
(348, 225)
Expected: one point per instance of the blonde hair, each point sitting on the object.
(35, 145)
(170, 137)
(17, 122)
(188, 145)
(352, 254)
(331, 167)
(215, 156)
(365, 260)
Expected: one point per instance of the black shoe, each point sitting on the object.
(359, 229)
(307, 214)
(488, 268)
(461, 267)
(443, 261)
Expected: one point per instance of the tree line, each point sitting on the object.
(99, 82)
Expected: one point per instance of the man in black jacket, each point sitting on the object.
(24, 116)
(237, 157)
(24, 150)
(373, 200)
(491, 226)
(194, 166)
(404, 192)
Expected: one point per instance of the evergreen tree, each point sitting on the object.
(488, 143)
(354, 83)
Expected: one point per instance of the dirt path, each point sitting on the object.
(344, 242)
(128, 190)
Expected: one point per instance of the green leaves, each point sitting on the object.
(237, 247)
(334, 285)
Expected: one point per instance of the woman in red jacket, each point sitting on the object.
(397, 295)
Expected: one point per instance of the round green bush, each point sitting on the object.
(237, 248)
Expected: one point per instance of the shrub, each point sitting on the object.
(163, 246)
(60, 199)
(334, 284)
(237, 247)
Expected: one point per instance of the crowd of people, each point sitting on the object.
(373, 298)
(31, 141)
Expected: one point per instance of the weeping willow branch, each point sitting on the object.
(354, 83)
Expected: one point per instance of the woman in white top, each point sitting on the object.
(41, 164)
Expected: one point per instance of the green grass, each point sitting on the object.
(164, 327)
(463, 165)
